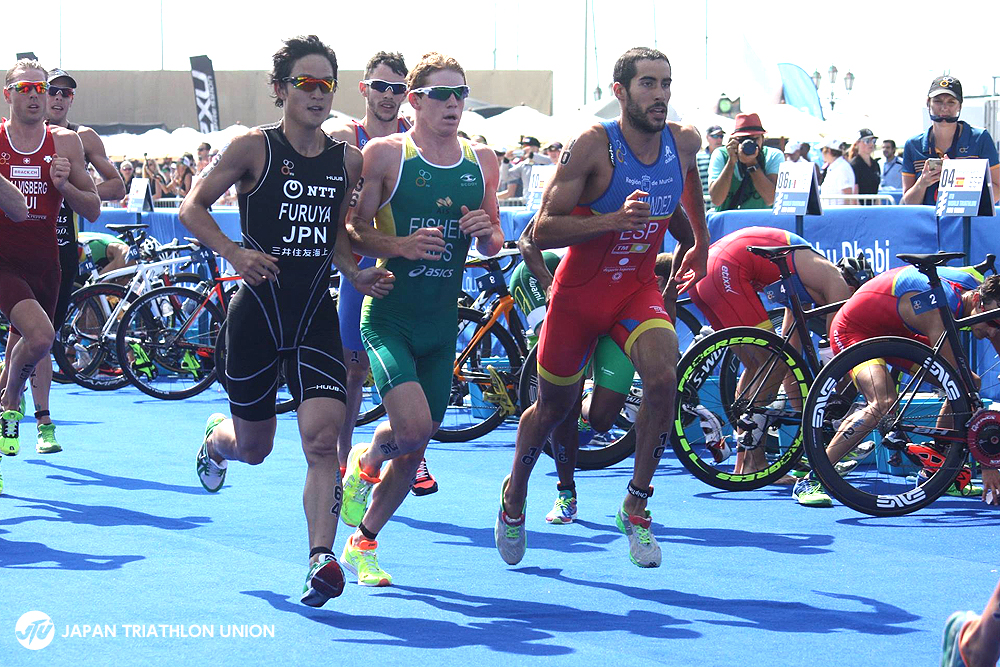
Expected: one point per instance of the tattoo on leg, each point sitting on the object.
(26, 371)
(338, 496)
(662, 447)
(388, 448)
(529, 458)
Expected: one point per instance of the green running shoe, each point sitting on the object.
(47, 440)
(510, 535)
(810, 492)
(357, 487)
(10, 443)
(642, 547)
(211, 474)
(361, 559)
(324, 581)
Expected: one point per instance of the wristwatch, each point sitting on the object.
(752, 168)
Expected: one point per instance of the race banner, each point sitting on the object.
(206, 95)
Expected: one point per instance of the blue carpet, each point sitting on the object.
(116, 532)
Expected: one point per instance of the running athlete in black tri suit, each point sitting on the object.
(293, 182)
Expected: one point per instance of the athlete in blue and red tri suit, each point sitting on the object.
(611, 201)
(884, 307)
(384, 89)
(47, 164)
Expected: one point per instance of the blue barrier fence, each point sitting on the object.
(881, 232)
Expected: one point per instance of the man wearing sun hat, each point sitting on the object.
(749, 181)
(947, 137)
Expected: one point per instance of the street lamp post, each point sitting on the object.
(832, 72)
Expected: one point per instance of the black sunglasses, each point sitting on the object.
(442, 93)
(382, 86)
(65, 91)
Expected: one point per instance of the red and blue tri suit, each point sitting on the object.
(606, 285)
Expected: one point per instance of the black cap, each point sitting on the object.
(715, 131)
(554, 146)
(946, 84)
(530, 141)
(61, 74)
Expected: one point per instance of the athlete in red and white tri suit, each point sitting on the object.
(46, 164)
(630, 174)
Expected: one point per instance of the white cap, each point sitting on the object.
(833, 144)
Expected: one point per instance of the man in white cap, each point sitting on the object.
(838, 176)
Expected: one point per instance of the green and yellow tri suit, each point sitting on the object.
(410, 334)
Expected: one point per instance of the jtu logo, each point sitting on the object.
(34, 630)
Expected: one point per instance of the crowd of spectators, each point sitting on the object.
(170, 179)
(844, 168)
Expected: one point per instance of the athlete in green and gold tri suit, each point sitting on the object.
(430, 195)
(411, 336)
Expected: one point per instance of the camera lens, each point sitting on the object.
(748, 146)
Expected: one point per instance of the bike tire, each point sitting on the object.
(177, 330)
(707, 380)
(466, 417)
(80, 335)
(867, 488)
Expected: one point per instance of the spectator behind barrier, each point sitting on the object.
(127, 170)
(892, 168)
(947, 137)
(837, 176)
(713, 139)
(749, 181)
(866, 168)
(515, 169)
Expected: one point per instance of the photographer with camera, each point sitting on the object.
(748, 181)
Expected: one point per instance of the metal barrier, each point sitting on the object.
(512, 201)
(854, 200)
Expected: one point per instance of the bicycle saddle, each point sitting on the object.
(926, 260)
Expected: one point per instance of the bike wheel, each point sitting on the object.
(715, 392)
(166, 341)
(80, 349)
(687, 327)
(475, 407)
(927, 387)
(600, 452)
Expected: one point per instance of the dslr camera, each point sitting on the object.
(748, 146)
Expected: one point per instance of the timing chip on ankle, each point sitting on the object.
(640, 493)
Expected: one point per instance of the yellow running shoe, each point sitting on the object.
(360, 558)
(47, 440)
(357, 487)
(10, 444)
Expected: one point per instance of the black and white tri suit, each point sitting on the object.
(292, 213)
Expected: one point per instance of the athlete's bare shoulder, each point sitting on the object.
(66, 140)
(588, 151)
(686, 137)
(344, 132)
(383, 150)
